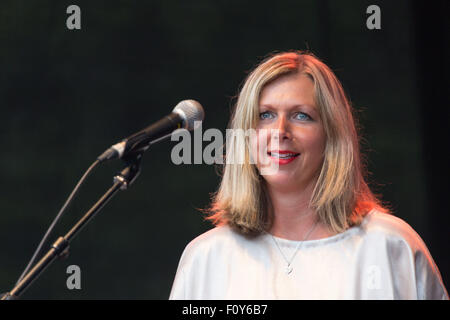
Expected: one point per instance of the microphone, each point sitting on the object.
(184, 115)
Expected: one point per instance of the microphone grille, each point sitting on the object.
(190, 111)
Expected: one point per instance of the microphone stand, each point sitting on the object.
(61, 246)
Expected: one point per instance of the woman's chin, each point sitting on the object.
(281, 180)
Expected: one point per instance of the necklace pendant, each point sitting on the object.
(288, 269)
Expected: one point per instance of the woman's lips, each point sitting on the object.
(283, 156)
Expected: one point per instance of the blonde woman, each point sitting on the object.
(310, 227)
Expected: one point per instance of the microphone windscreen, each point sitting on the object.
(191, 111)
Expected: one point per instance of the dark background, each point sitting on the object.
(67, 95)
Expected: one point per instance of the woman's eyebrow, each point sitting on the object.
(296, 106)
(308, 107)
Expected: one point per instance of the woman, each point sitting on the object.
(296, 219)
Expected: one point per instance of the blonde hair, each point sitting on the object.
(341, 196)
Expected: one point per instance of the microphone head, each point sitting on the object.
(191, 111)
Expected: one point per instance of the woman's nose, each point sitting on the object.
(282, 129)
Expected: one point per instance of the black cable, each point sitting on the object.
(58, 216)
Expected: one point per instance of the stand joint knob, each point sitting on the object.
(61, 247)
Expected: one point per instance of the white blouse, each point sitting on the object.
(383, 258)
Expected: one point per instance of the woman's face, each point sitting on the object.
(290, 136)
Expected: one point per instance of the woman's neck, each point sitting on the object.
(292, 216)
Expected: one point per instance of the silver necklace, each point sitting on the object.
(288, 269)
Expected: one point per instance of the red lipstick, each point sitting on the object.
(283, 156)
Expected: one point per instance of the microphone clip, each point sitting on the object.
(131, 171)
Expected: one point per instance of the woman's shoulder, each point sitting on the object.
(218, 239)
(213, 236)
(389, 227)
(406, 248)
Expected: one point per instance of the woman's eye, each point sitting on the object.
(265, 115)
(302, 116)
